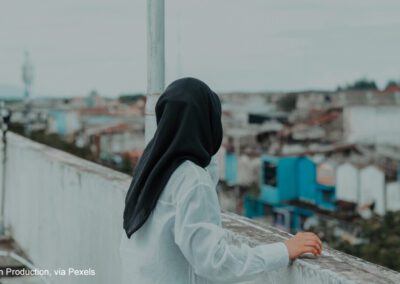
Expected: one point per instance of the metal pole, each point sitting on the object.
(155, 62)
(5, 119)
(237, 186)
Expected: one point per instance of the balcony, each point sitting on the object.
(65, 212)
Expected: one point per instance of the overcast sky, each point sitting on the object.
(244, 45)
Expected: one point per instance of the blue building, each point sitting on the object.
(286, 179)
(231, 168)
(290, 218)
(326, 197)
(253, 207)
(307, 180)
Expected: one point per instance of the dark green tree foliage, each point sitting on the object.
(383, 245)
(361, 85)
(130, 98)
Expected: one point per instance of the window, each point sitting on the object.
(269, 173)
(326, 196)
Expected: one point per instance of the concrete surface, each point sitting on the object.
(67, 212)
(22, 280)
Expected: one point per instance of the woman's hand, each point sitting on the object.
(303, 242)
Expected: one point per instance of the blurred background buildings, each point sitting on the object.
(320, 157)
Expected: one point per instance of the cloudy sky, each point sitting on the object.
(244, 45)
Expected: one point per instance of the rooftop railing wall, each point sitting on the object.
(66, 212)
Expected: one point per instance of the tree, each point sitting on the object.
(130, 98)
(362, 84)
(392, 84)
(383, 245)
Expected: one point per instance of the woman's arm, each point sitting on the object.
(199, 235)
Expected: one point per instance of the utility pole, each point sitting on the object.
(155, 62)
(27, 78)
(5, 115)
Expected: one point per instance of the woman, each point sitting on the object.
(172, 216)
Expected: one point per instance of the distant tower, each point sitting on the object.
(27, 75)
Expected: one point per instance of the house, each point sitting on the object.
(63, 122)
(371, 125)
(372, 188)
(348, 183)
(393, 196)
(277, 179)
(289, 178)
(231, 168)
(326, 184)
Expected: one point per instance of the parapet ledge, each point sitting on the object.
(331, 267)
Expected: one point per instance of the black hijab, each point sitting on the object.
(189, 127)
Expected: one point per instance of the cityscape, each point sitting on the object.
(325, 161)
(318, 159)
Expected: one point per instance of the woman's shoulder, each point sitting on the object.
(185, 178)
(190, 169)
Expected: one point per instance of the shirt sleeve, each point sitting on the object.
(201, 239)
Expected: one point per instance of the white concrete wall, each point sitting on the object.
(347, 183)
(393, 196)
(220, 156)
(67, 212)
(63, 211)
(248, 170)
(372, 124)
(372, 188)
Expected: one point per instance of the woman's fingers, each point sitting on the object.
(305, 242)
(314, 247)
(313, 244)
(313, 236)
(310, 249)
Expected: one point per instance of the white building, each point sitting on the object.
(372, 188)
(393, 196)
(372, 125)
(326, 172)
(348, 183)
(63, 122)
(248, 170)
(220, 156)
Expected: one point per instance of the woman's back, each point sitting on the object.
(183, 241)
(151, 254)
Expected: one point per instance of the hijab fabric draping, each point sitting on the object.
(189, 127)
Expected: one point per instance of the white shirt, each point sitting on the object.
(183, 242)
